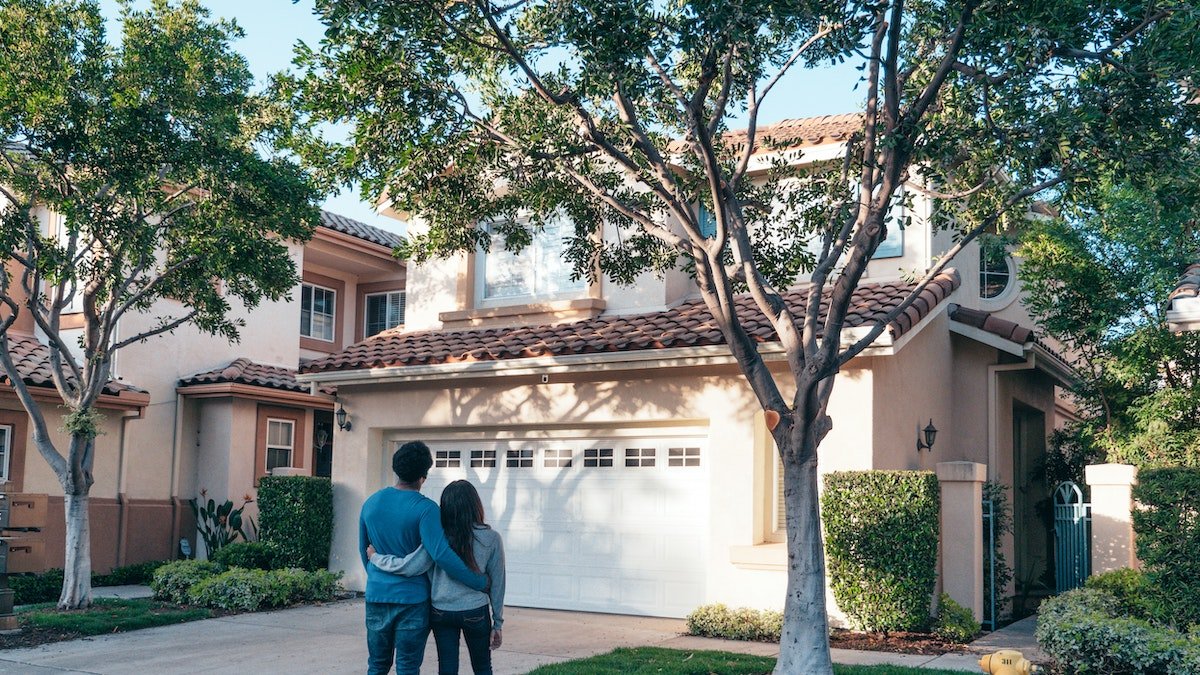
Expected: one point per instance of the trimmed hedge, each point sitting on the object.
(1084, 632)
(1133, 592)
(246, 590)
(742, 623)
(295, 515)
(881, 542)
(173, 581)
(47, 586)
(251, 555)
(1168, 539)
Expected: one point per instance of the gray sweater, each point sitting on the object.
(448, 594)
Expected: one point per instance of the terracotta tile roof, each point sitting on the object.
(1189, 284)
(245, 371)
(807, 131)
(361, 230)
(32, 359)
(1002, 328)
(687, 325)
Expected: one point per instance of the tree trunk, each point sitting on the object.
(804, 645)
(77, 581)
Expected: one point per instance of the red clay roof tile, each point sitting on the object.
(32, 359)
(616, 333)
(245, 371)
(986, 321)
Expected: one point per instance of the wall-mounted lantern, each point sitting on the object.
(930, 435)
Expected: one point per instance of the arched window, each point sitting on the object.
(995, 272)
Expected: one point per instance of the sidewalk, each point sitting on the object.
(330, 639)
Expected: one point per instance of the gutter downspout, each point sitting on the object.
(992, 395)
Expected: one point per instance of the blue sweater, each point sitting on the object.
(396, 522)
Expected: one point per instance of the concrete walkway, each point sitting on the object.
(330, 639)
(1017, 635)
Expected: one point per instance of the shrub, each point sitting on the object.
(741, 623)
(255, 555)
(138, 573)
(1084, 633)
(1168, 539)
(31, 588)
(954, 622)
(172, 581)
(303, 586)
(881, 538)
(1134, 593)
(248, 590)
(296, 516)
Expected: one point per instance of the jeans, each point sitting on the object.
(398, 631)
(476, 626)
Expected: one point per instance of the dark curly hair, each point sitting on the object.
(412, 461)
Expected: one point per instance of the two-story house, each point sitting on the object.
(190, 412)
(614, 441)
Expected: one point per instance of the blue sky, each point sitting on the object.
(273, 27)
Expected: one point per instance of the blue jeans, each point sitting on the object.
(475, 626)
(398, 631)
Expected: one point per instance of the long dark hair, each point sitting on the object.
(462, 511)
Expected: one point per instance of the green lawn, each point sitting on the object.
(109, 615)
(646, 660)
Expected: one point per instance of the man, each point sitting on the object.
(396, 520)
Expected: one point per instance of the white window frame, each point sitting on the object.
(58, 223)
(1004, 296)
(291, 449)
(6, 448)
(332, 315)
(547, 242)
(367, 310)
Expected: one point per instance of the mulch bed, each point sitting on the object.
(904, 643)
(32, 637)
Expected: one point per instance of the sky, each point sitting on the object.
(273, 27)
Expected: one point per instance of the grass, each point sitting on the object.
(645, 660)
(109, 615)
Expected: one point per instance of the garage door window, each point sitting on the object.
(447, 459)
(557, 458)
(520, 459)
(683, 457)
(639, 457)
(483, 459)
(597, 457)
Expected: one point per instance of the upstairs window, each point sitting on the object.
(538, 272)
(6, 443)
(317, 305)
(995, 273)
(384, 311)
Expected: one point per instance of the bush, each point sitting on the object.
(302, 586)
(1168, 539)
(172, 581)
(1082, 630)
(248, 590)
(742, 623)
(1134, 593)
(254, 555)
(881, 539)
(954, 622)
(138, 573)
(31, 588)
(296, 516)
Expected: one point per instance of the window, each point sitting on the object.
(598, 457)
(383, 311)
(483, 459)
(639, 457)
(892, 246)
(683, 457)
(280, 441)
(447, 459)
(537, 271)
(557, 459)
(707, 221)
(317, 312)
(520, 458)
(6, 443)
(994, 273)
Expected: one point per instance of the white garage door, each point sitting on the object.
(614, 524)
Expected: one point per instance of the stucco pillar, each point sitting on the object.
(1112, 522)
(962, 532)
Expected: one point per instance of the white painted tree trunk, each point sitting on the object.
(77, 582)
(804, 644)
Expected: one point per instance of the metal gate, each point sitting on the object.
(1072, 537)
(989, 622)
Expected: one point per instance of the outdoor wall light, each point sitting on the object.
(343, 420)
(930, 434)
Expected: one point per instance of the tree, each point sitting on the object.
(1099, 280)
(618, 113)
(152, 153)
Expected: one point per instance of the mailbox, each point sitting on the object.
(23, 553)
(3, 511)
(25, 510)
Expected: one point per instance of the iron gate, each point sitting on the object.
(989, 566)
(1072, 537)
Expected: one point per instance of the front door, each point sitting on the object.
(322, 443)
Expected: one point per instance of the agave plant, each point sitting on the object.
(220, 524)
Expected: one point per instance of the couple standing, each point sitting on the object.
(401, 536)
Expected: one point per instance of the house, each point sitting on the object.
(188, 412)
(1183, 311)
(615, 443)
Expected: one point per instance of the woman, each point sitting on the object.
(457, 608)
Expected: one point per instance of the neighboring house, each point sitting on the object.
(618, 448)
(191, 412)
(1183, 313)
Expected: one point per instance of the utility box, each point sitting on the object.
(23, 553)
(25, 510)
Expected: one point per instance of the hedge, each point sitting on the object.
(742, 623)
(1168, 539)
(252, 555)
(295, 515)
(47, 586)
(881, 541)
